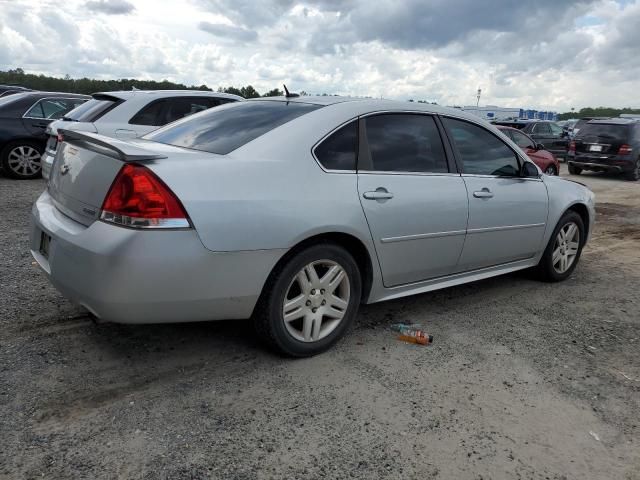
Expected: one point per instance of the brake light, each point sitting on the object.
(572, 146)
(139, 199)
(625, 150)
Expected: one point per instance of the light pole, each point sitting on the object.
(478, 97)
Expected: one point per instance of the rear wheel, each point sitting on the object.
(634, 175)
(551, 170)
(573, 170)
(21, 160)
(309, 301)
(563, 251)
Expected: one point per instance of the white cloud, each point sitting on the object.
(549, 55)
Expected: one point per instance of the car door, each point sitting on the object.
(507, 213)
(44, 111)
(414, 200)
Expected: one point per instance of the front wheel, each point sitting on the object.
(309, 301)
(564, 248)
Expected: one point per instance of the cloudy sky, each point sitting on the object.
(547, 54)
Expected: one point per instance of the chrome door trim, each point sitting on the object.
(420, 236)
(523, 179)
(503, 228)
(421, 174)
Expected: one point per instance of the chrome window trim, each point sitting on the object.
(418, 174)
(49, 98)
(475, 175)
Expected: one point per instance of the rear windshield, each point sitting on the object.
(223, 129)
(92, 110)
(605, 131)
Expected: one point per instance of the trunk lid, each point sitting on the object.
(85, 166)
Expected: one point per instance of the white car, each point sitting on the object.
(130, 114)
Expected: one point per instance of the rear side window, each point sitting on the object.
(555, 129)
(181, 107)
(541, 129)
(404, 143)
(151, 114)
(605, 131)
(339, 150)
(93, 109)
(481, 152)
(222, 130)
(53, 108)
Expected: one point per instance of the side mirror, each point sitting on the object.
(539, 146)
(529, 170)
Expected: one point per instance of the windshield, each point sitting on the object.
(223, 129)
(92, 110)
(605, 131)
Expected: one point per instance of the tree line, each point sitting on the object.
(90, 85)
(598, 112)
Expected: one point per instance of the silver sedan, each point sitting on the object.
(293, 211)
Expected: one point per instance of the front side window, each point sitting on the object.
(522, 140)
(339, 150)
(481, 152)
(151, 115)
(404, 143)
(223, 129)
(53, 108)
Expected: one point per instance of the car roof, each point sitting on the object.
(506, 127)
(39, 94)
(128, 94)
(616, 121)
(360, 106)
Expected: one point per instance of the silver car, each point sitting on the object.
(293, 211)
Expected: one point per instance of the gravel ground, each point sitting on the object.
(524, 380)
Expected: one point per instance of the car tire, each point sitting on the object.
(21, 160)
(550, 268)
(634, 175)
(551, 170)
(312, 311)
(573, 170)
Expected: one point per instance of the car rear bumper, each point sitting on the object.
(130, 276)
(617, 164)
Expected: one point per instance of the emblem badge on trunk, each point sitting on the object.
(64, 169)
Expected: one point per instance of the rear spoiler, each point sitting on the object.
(125, 151)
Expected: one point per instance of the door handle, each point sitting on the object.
(379, 194)
(484, 193)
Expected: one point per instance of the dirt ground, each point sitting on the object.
(525, 380)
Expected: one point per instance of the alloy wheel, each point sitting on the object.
(566, 247)
(24, 160)
(316, 300)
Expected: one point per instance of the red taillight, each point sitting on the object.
(137, 198)
(625, 150)
(572, 146)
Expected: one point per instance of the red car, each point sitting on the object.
(541, 157)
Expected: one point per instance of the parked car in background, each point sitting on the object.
(545, 160)
(581, 123)
(611, 145)
(131, 114)
(6, 90)
(546, 133)
(295, 211)
(23, 119)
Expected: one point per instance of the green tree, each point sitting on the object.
(274, 93)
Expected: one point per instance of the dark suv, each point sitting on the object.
(611, 145)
